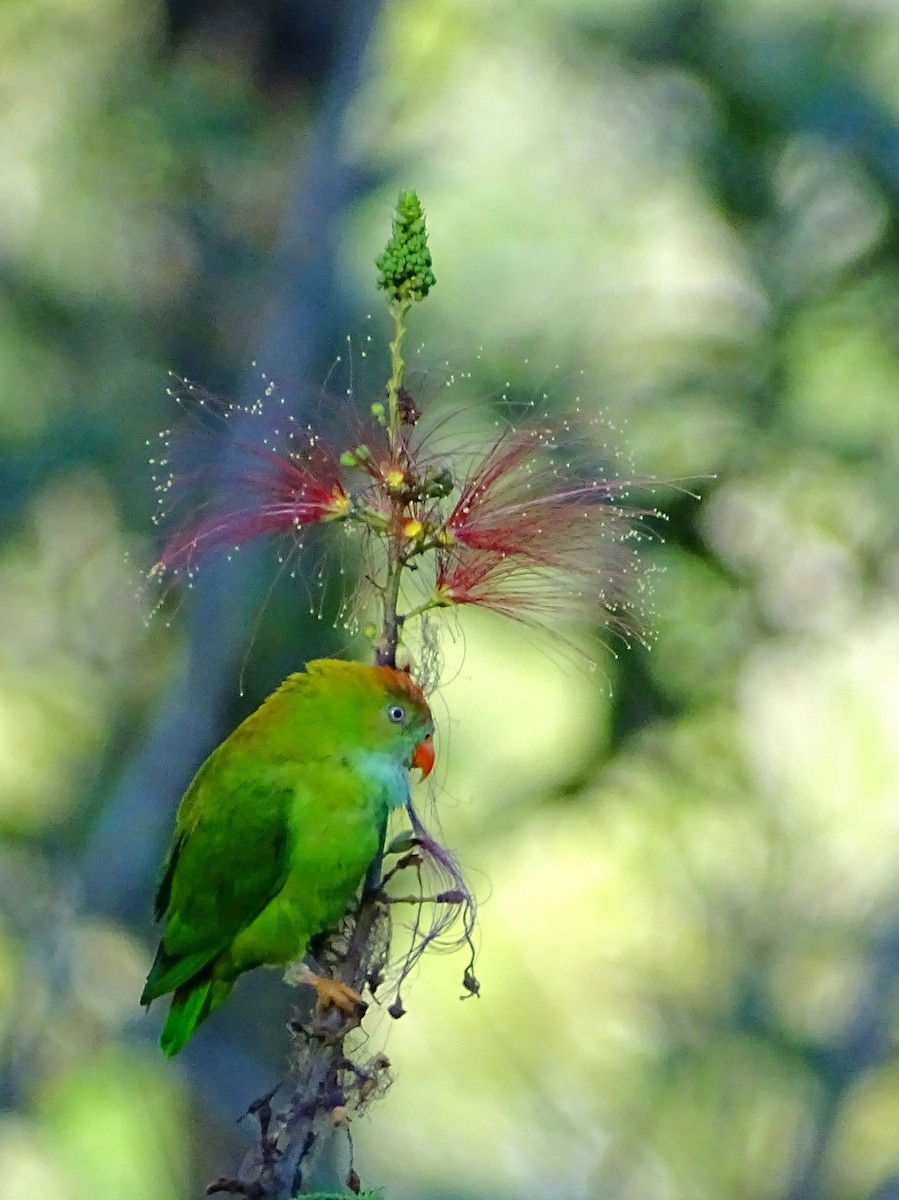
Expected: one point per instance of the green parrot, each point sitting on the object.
(277, 830)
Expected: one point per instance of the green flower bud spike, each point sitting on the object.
(405, 273)
(404, 269)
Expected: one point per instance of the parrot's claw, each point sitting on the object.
(332, 993)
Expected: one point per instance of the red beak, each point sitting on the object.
(423, 757)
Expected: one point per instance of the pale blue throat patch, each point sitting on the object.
(388, 776)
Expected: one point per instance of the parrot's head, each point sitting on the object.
(381, 712)
(409, 717)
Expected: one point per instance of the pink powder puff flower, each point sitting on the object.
(527, 540)
(251, 490)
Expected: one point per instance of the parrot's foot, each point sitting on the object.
(331, 992)
(334, 994)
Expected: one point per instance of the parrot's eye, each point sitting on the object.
(396, 713)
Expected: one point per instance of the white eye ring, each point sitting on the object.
(396, 713)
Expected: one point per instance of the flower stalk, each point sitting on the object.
(399, 310)
(406, 274)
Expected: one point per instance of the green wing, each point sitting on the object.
(229, 858)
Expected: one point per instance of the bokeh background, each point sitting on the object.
(689, 862)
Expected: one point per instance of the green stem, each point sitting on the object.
(374, 520)
(398, 310)
(424, 547)
(390, 633)
(419, 610)
(390, 630)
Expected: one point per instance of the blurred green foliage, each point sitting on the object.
(684, 214)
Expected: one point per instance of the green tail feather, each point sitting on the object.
(191, 1004)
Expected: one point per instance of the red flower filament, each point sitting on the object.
(525, 536)
(264, 493)
(525, 540)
